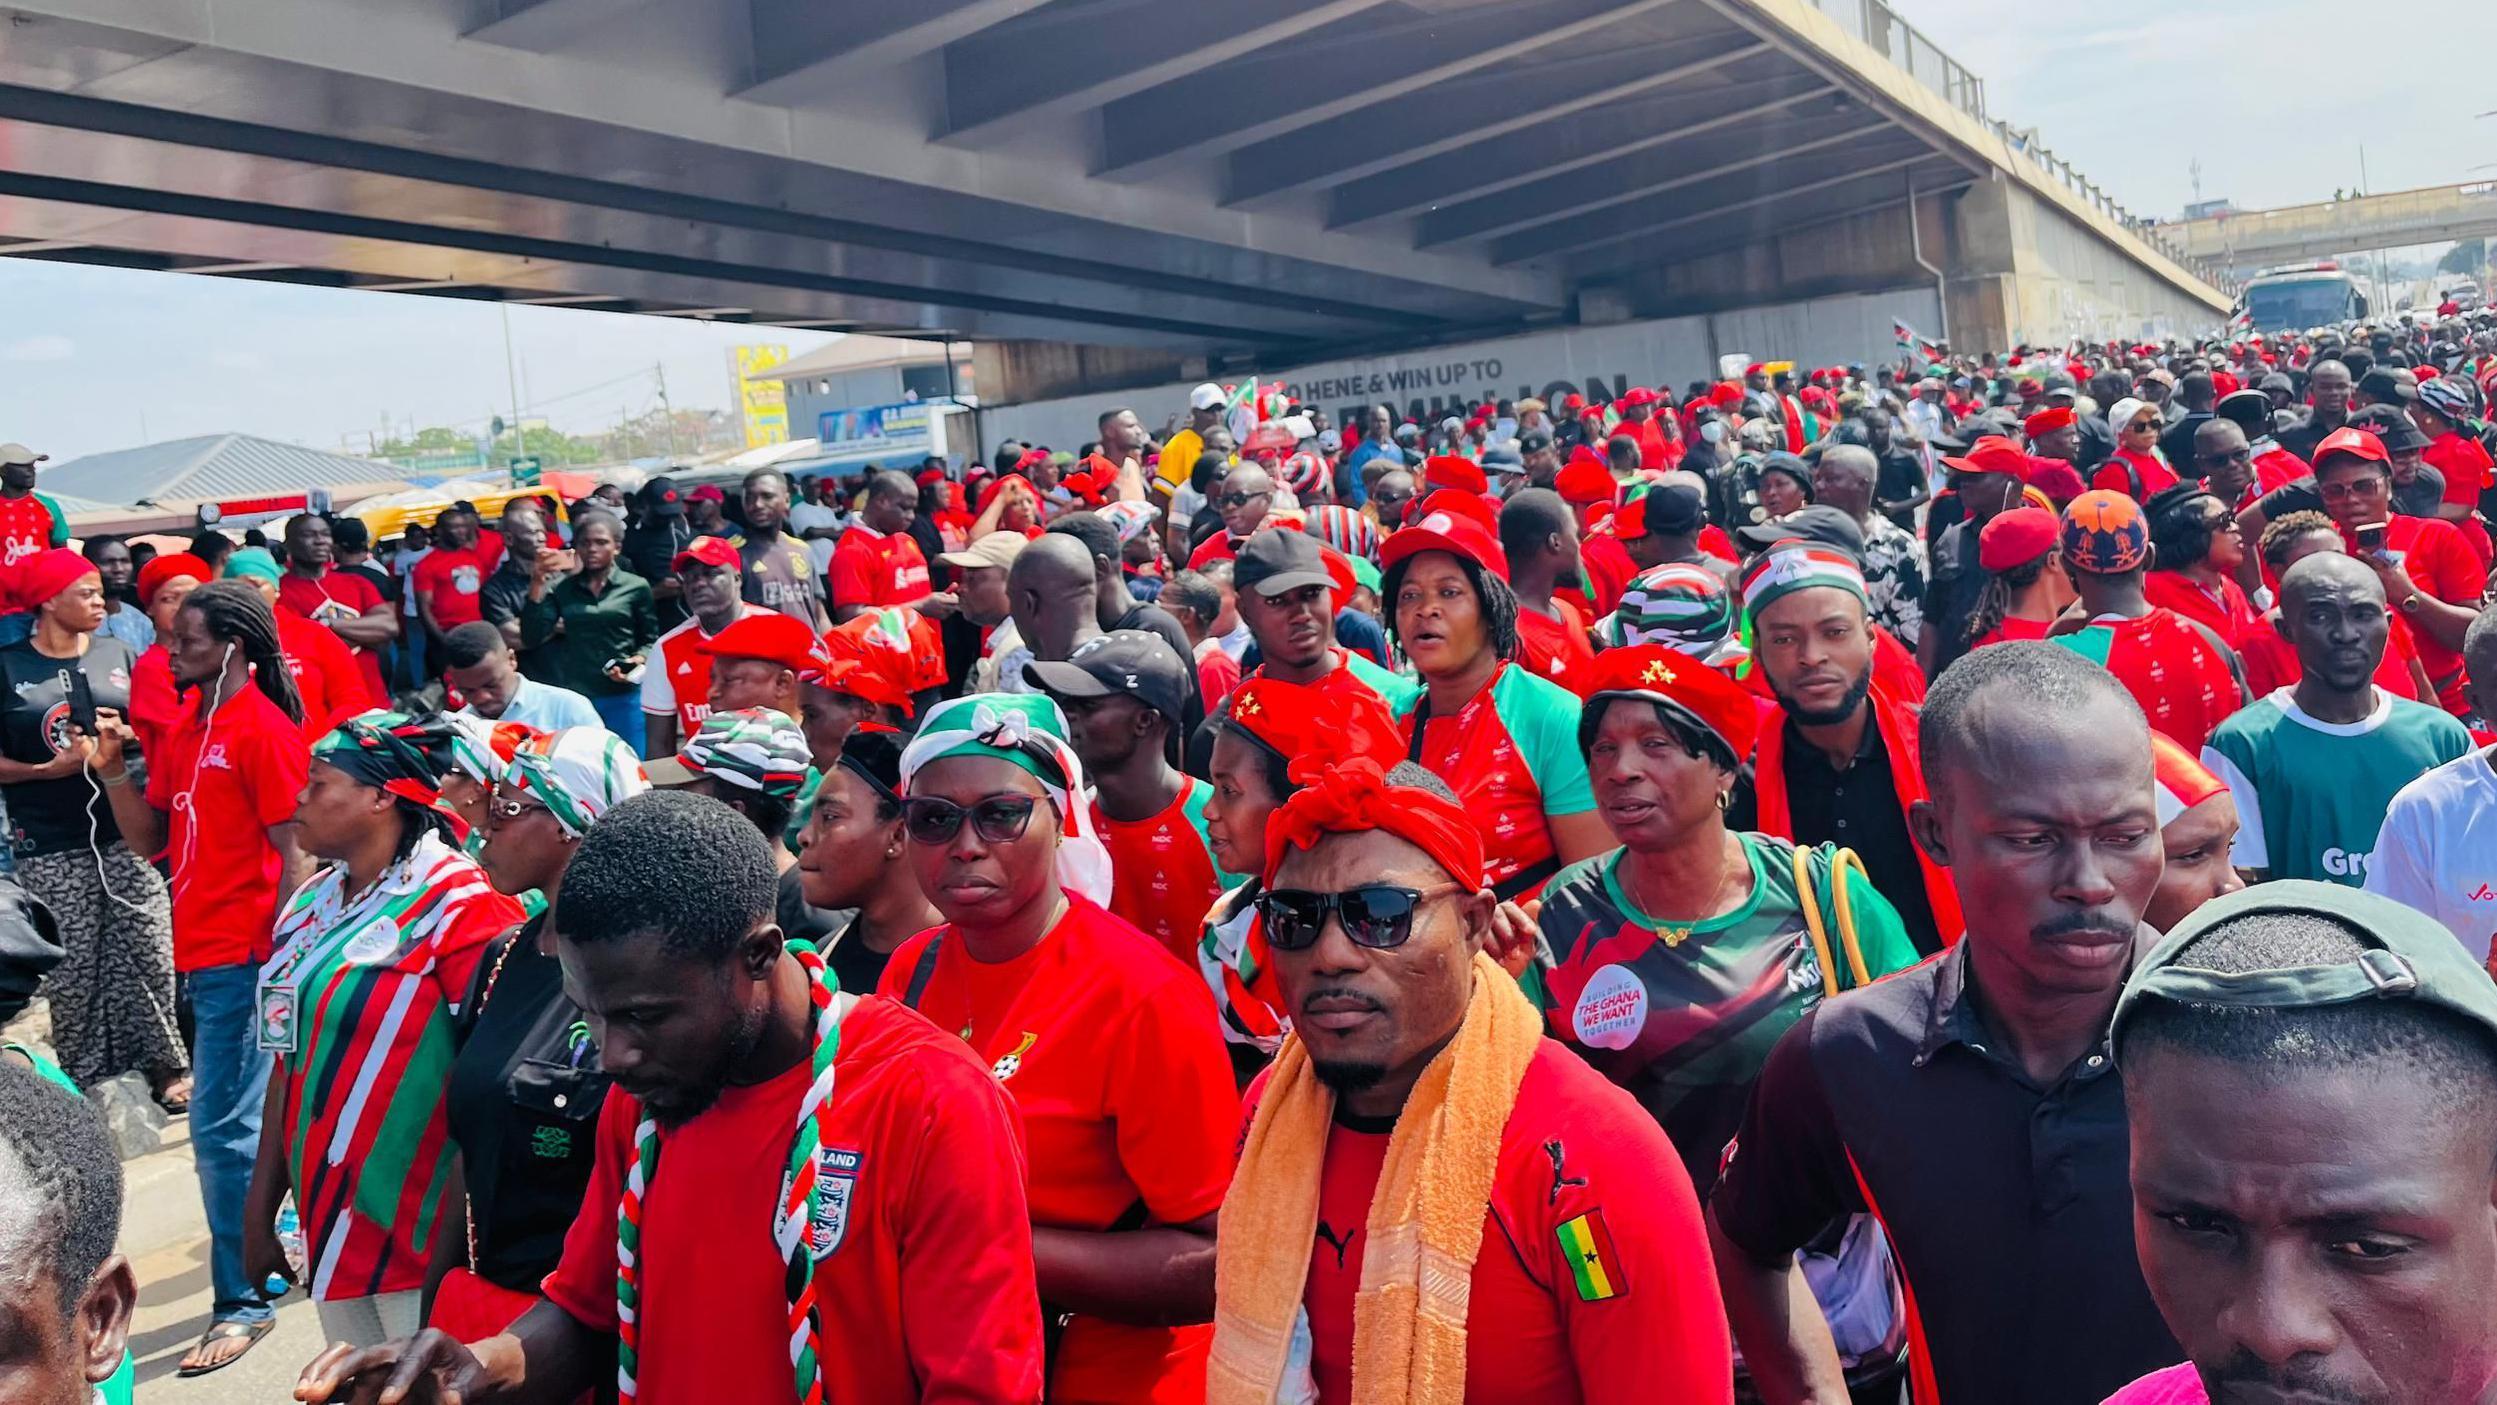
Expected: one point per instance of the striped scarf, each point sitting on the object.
(793, 1220)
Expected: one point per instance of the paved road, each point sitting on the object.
(166, 1237)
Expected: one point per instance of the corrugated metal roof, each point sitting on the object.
(209, 467)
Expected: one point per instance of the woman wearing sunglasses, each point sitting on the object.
(2136, 468)
(1107, 1044)
(373, 956)
(1498, 735)
(525, 1085)
(1678, 959)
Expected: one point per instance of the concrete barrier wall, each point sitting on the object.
(1600, 361)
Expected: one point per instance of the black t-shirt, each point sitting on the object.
(523, 1106)
(49, 817)
(1902, 474)
(855, 964)
(2301, 439)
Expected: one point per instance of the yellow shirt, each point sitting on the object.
(1179, 456)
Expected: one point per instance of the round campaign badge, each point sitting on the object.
(1611, 1010)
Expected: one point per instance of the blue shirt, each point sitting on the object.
(545, 707)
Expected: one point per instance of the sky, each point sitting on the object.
(2132, 92)
(2259, 91)
(105, 358)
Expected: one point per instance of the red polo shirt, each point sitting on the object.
(872, 569)
(223, 782)
(1582, 1170)
(927, 1295)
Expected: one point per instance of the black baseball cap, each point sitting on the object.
(1826, 525)
(1277, 560)
(1130, 661)
(661, 499)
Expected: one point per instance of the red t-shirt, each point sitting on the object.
(2011, 629)
(454, 578)
(1110, 1049)
(325, 674)
(2185, 684)
(29, 525)
(1217, 674)
(1218, 547)
(2274, 468)
(2232, 617)
(338, 595)
(153, 706)
(2465, 463)
(1608, 569)
(1578, 1157)
(223, 785)
(927, 1295)
(871, 569)
(2440, 563)
(1165, 879)
(1555, 646)
(2154, 473)
(2271, 661)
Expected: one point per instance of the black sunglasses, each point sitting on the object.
(1376, 915)
(1000, 819)
(1242, 499)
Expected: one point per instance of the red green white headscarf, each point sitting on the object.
(1026, 730)
(578, 774)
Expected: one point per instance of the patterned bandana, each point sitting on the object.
(481, 749)
(578, 774)
(1796, 565)
(397, 753)
(1130, 518)
(1026, 730)
(754, 748)
(1683, 606)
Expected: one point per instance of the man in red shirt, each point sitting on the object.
(2183, 674)
(722, 1041)
(2431, 576)
(1367, 1185)
(220, 805)
(676, 688)
(876, 562)
(343, 602)
(1638, 422)
(448, 582)
(327, 680)
(1122, 693)
(1540, 535)
(1247, 492)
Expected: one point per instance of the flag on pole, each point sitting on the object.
(1924, 347)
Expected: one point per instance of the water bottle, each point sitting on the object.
(290, 1238)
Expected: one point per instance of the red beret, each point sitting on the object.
(1680, 684)
(46, 574)
(1994, 454)
(1726, 393)
(1294, 720)
(1453, 471)
(2016, 538)
(1636, 395)
(1585, 480)
(2047, 421)
(2058, 480)
(772, 636)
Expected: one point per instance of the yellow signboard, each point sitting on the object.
(764, 400)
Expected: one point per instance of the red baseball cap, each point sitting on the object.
(2346, 440)
(1440, 524)
(773, 636)
(1680, 684)
(1993, 454)
(708, 492)
(2017, 537)
(708, 551)
(1636, 395)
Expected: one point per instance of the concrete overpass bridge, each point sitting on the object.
(1098, 191)
(2245, 241)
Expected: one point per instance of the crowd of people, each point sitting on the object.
(1956, 880)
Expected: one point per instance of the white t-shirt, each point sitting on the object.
(405, 564)
(805, 517)
(2437, 851)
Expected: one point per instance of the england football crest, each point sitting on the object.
(836, 1181)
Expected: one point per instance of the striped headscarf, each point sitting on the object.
(1683, 606)
(482, 748)
(1794, 565)
(754, 748)
(578, 774)
(1346, 530)
(397, 753)
(1026, 730)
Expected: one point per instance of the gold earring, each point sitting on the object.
(1725, 800)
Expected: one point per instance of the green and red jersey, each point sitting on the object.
(1511, 755)
(1165, 877)
(1683, 1015)
(378, 977)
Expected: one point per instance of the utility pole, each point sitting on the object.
(666, 410)
(511, 379)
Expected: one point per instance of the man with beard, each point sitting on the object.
(1549, 1246)
(1540, 535)
(1970, 1102)
(721, 1038)
(2311, 1087)
(2314, 766)
(343, 602)
(1838, 755)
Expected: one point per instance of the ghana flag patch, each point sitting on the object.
(1593, 1261)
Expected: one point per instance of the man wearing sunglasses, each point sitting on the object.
(1417, 1116)
(1247, 493)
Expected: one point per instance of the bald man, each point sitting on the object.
(1247, 493)
(1050, 589)
(2314, 765)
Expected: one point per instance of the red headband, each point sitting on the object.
(1354, 795)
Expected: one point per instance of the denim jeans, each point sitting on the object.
(229, 1082)
(622, 712)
